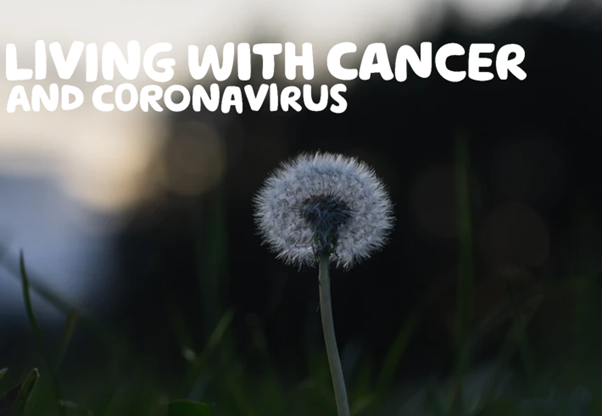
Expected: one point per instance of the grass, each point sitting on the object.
(219, 382)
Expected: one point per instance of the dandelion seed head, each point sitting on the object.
(324, 204)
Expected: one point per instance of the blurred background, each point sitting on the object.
(143, 221)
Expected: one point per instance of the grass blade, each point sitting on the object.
(466, 272)
(395, 353)
(211, 258)
(38, 333)
(512, 341)
(24, 392)
(216, 336)
(66, 337)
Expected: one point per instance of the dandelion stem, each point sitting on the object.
(332, 351)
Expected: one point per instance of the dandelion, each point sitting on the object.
(325, 208)
(324, 203)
